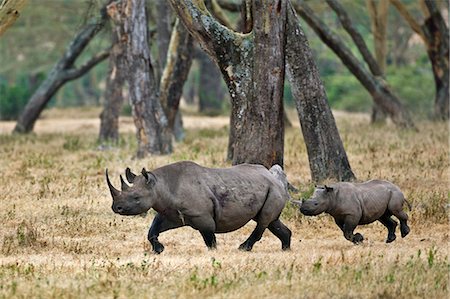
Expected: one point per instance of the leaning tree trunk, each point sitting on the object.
(327, 157)
(376, 86)
(109, 118)
(179, 60)
(435, 35)
(148, 115)
(255, 82)
(378, 22)
(436, 32)
(62, 72)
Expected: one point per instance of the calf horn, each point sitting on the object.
(114, 191)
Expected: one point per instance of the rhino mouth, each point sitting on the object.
(308, 212)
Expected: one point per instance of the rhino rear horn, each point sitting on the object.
(114, 191)
(130, 176)
(124, 185)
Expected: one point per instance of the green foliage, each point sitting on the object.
(14, 97)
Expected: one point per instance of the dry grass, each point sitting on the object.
(60, 239)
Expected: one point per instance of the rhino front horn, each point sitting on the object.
(114, 191)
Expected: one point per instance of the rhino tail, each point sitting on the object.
(278, 172)
(408, 204)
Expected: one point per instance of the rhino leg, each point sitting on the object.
(348, 226)
(210, 239)
(254, 237)
(396, 208)
(207, 226)
(282, 232)
(390, 224)
(160, 224)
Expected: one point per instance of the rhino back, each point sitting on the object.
(372, 197)
(233, 196)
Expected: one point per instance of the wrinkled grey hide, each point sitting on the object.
(352, 204)
(209, 200)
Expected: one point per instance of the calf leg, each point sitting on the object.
(390, 224)
(160, 224)
(282, 232)
(403, 217)
(348, 227)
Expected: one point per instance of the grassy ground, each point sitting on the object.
(60, 239)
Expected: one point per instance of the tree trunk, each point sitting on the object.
(62, 72)
(255, 83)
(378, 20)
(148, 115)
(179, 60)
(210, 90)
(109, 118)
(326, 154)
(436, 32)
(375, 85)
(435, 35)
(163, 32)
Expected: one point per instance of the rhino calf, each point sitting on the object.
(206, 199)
(352, 204)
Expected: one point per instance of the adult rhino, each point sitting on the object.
(352, 204)
(206, 199)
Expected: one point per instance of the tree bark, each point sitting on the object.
(109, 118)
(435, 35)
(378, 20)
(326, 153)
(376, 86)
(255, 84)
(179, 60)
(62, 72)
(163, 32)
(9, 12)
(148, 114)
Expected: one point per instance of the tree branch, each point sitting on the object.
(229, 5)
(356, 37)
(215, 38)
(409, 18)
(74, 73)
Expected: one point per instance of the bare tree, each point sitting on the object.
(149, 117)
(375, 85)
(109, 118)
(378, 20)
(435, 35)
(255, 83)
(326, 154)
(63, 71)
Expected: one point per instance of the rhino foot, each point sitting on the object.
(357, 238)
(391, 238)
(245, 247)
(158, 248)
(404, 230)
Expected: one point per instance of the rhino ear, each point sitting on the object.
(149, 177)
(130, 176)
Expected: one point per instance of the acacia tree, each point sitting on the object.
(148, 115)
(109, 118)
(371, 79)
(255, 83)
(63, 71)
(435, 35)
(252, 65)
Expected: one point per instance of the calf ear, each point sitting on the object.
(328, 188)
(149, 177)
(130, 176)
